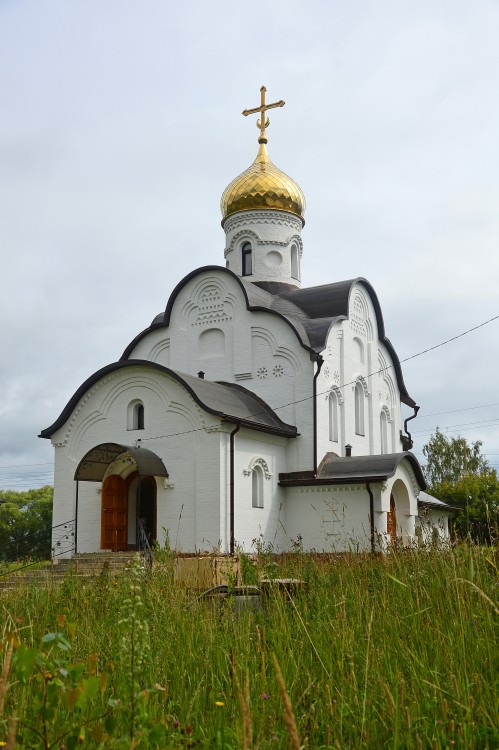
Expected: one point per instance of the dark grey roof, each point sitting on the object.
(336, 470)
(310, 312)
(428, 501)
(227, 400)
(95, 462)
(319, 307)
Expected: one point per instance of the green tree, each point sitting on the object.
(26, 524)
(458, 474)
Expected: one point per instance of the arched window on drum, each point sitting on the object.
(295, 262)
(246, 259)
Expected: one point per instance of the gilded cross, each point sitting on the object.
(264, 121)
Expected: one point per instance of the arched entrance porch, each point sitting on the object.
(400, 521)
(128, 503)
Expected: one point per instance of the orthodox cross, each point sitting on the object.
(264, 121)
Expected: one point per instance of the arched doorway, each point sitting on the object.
(114, 515)
(124, 502)
(116, 466)
(391, 521)
(400, 521)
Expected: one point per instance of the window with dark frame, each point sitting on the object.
(138, 421)
(247, 259)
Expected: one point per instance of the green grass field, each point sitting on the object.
(386, 652)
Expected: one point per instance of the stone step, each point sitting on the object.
(103, 554)
(82, 565)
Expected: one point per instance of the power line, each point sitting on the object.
(466, 429)
(344, 385)
(308, 398)
(453, 411)
(476, 423)
(16, 466)
(459, 335)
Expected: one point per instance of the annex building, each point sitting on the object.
(251, 411)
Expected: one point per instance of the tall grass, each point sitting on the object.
(385, 652)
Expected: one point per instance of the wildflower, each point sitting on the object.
(265, 696)
(2, 744)
(219, 703)
(176, 722)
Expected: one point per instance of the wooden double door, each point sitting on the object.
(114, 517)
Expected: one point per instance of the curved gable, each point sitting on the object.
(320, 307)
(255, 299)
(310, 312)
(225, 400)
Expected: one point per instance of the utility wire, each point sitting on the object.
(452, 411)
(476, 423)
(466, 429)
(15, 466)
(344, 385)
(322, 393)
(459, 335)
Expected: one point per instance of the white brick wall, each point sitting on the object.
(262, 353)
(329, 519)
(342, 368)
(272, 235)
(211, 330)
(192, 459)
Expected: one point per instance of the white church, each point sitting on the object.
(251, 411)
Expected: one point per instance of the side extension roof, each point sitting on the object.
(353, 469)
(428, 501)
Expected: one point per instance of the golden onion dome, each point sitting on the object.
(263, 187)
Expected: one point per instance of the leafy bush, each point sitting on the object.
(26, 524)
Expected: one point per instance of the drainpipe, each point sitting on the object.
(320, 362)
(371, 513)
(409, 437)
(231, 487)
(76, 517)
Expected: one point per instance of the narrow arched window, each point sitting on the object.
(138, 417)
(257, 487)
(359, 409)
(295, 268)
(333, 417)
(383, 426)
(135, 415)
(247, 259)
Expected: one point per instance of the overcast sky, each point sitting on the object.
(120, 127)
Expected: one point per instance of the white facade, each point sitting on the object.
(275, 240)
(328, 377)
